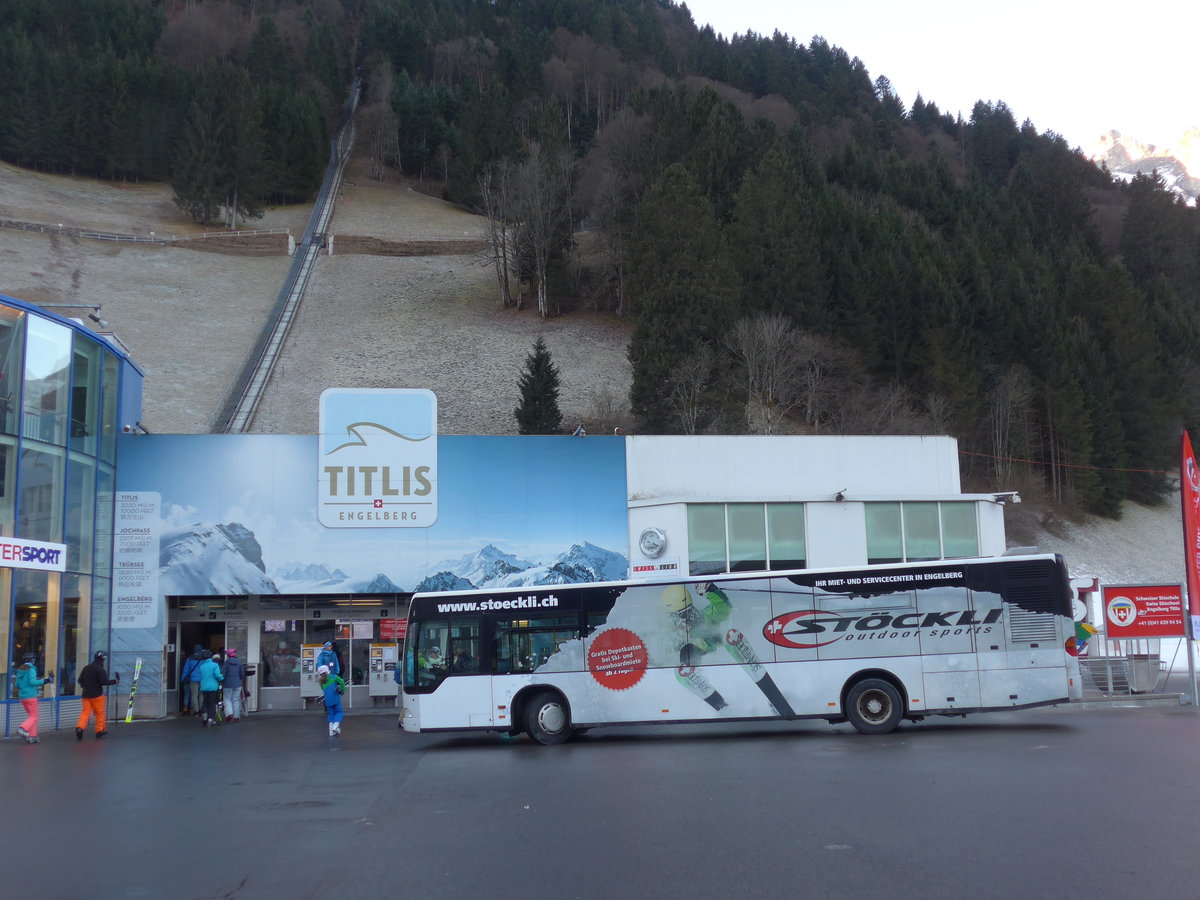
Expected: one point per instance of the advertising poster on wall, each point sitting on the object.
(238, 515)
(135, 560)
(1143, 610)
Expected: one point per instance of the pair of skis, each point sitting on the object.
(137, 670)
(739, 648)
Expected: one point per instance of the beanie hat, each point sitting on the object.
(233, 653)
(100, 656)
(323, 670)
(329, 644)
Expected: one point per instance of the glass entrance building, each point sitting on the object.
(65, 394)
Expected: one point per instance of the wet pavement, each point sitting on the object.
(1028, 804)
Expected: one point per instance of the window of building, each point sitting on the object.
(47, 375)
(745, 537)
(40, 496)
(80, 526)
(960, 530)
(105, 481)
(279, 653)
(76, 605)
(885, 541)
(922, 531)
(85, 397)
(706, 539)
(12, 333)
(900, 532)
(8, 486)
(108, 408)
(786, 544)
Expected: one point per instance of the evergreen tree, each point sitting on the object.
(538, 412)
(685, 288)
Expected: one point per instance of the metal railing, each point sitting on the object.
(237, 407)
(151, 238)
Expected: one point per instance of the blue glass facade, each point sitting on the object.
(65, 394)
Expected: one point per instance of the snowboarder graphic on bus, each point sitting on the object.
(701, 631)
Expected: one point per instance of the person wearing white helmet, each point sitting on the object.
(332, 686)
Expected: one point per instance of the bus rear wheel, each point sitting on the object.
(874, 706)
(547, 719)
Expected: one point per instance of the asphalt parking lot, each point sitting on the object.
(1054, 802)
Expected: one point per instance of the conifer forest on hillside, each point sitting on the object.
(795, 249)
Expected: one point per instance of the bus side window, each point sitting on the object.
(521, 645)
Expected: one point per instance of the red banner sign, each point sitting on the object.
(1143, 610)
(1189, 493)
(392, 629)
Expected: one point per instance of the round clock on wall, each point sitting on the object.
(653, 542)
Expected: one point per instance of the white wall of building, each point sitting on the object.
(665, 473)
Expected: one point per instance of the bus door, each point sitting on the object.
(948, 632)
(521, 646)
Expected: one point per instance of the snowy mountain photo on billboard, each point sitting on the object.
(582, 563)
(238, 516)
(206, 559)
(314, 578)
(493, 568)
(484, 567)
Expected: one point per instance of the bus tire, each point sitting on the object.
(874, 706)
(547, 719)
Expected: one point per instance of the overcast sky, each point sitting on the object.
(1076, 68)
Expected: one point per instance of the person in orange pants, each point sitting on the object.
(93, 680)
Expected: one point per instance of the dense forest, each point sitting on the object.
(796, 249)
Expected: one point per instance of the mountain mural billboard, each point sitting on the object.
(238, 517)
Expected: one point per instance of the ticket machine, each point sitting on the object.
(381, 680)
(310, 686)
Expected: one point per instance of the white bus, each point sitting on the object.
(869, 646)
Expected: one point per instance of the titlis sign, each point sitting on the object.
(377, 465)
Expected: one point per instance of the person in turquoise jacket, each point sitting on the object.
(29, 686)
(210, 686)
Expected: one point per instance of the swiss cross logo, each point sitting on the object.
(378, 504)
(1121, 610)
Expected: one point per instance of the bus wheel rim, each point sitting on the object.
(875, 706)
(551, 718)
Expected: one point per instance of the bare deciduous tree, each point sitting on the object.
(1008, 415)
(543, 195)
(687, 391)
(496, 191)
(768, 348)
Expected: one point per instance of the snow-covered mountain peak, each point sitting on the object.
(1179, 166)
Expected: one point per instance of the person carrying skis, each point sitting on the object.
(93, 680)
(28, 687)
(210, 686)
(333, 687)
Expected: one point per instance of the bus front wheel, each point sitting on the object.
(547, 719)
(873, 706)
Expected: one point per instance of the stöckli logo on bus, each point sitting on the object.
(807, 629)
(377, 458)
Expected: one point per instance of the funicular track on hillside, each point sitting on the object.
(241, 400)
